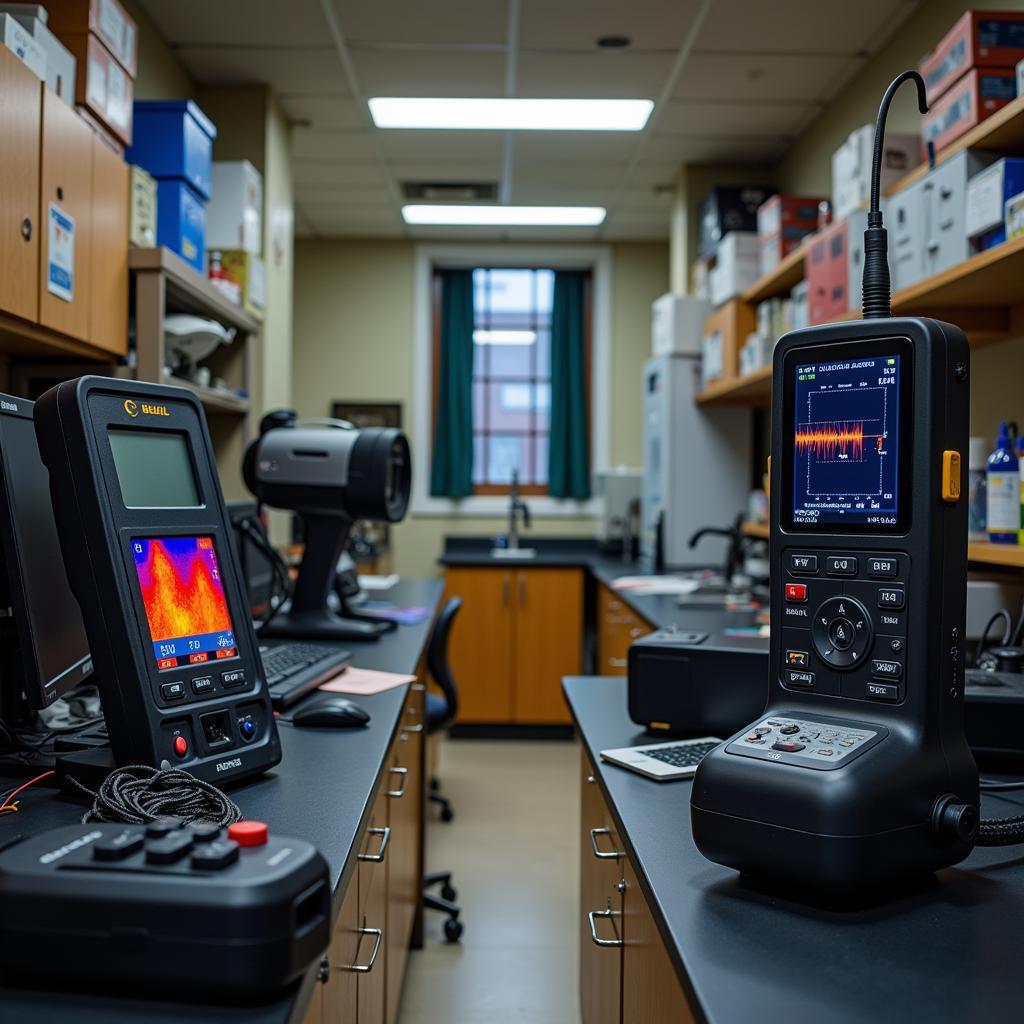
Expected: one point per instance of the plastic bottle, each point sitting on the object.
(976, 466)
(1003, 491)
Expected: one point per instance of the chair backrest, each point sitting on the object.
(437, 660)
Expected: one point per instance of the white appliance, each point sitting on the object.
(696, 464)
(677, 324)
(619, 490)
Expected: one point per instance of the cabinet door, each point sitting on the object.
(548, 642)
(650, 987)
(21, 97)
(66, 184)
(600, 966)
(618, 627)
(339, 994)
(108, 303)
(405, 875)
(374, 855)
(481, 643)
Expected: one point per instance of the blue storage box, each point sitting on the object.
(181, 221)
(174, 139)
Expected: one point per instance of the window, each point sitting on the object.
(511, 376)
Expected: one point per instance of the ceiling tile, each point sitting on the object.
(733, 149)
(439, 170)
(693, 117)
(634, 229)
(430, 73)
(561, 195)
(568, 172)
(510, 234)
(584, 146)
(238, 22)
(800, 26)
(330, 113)
(648, 173)
(604, 73)
(427, 146)
(406, 21)
(338, 194)
(329, 172)
(287, 71)
(577, 24)
(758, 76)
(308, 144)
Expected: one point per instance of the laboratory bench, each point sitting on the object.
(331, 787)
(528, 622)
(687, 940)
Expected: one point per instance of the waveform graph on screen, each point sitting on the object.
(181, 585)
(841, 442)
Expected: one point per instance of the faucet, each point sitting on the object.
(735, 551)
(516, 507)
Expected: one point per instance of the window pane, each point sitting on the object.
(510, 406)
(511, 291)
(542, 407)
(505, 454)
(545, 292)
(479, 459)
(540, 457)
(510, 360)
(543, 346)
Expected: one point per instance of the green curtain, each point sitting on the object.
(569, 447)
(451, 473)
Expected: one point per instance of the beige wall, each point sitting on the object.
(353, 337)
(160, 75)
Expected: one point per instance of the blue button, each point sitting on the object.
(248, 728)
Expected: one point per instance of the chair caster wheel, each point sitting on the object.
(447, 814)
(452, 930)
(448, 893)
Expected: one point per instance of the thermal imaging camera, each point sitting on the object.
(148, 548)
(858, 772)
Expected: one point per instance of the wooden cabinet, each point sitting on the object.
(20, 227)
(617, 627)
(519, 632)
(626, 976)
(65, 184)
(108, 300)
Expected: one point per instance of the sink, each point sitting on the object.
(514, 554)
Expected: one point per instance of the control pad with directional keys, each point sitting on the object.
(841, 632)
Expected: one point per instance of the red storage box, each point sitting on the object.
(828, 272)
(980, 39)
(782, 224)
(978, 95)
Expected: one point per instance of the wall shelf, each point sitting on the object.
(780, 281)
(753, 389)
(985, 553)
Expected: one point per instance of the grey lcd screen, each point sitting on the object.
(154, 469)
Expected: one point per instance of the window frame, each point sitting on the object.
(428, 259)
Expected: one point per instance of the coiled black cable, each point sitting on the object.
(138, 794)
(876, 289)
(1000, 832)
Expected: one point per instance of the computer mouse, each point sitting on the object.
(331, 713)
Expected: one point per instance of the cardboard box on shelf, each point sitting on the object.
(106, 19)
(248, 273)
(724, 331)
(728, 208)
(851, 166)
(101, 85)
(677, 324)
(142, 209)
(975, 97)
(979, 39)
(21, 43)
(987, 195)
(60, 63)
(736, 266)
(904, 214)
(799, 296)
(234, 216)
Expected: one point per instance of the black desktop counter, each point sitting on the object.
(945, 953)
(320, 792)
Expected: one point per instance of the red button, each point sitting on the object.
(180, 746)
(796, 591)
(249, 833)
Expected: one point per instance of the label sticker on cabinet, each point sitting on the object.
(60, 263)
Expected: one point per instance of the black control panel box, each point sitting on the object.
(230, 914)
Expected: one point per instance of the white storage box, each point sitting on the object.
(20, 42)
(234, 217)
(851, 167)
(737, 266)
(677, 324)
(60, 62)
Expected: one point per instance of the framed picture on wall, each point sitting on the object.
(368, 414)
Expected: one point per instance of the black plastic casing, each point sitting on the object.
(96, 530)
(868, 821)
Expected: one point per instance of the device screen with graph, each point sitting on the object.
(183, 595)
(849, 423)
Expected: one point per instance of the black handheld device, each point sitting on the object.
(147, 544)
(858, 772)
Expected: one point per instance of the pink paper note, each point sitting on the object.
(364, 681)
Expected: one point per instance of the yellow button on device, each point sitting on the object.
(950, 476)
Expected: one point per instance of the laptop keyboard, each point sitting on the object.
(684, 755)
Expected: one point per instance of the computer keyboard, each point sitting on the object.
(293, 668)
(683, 755)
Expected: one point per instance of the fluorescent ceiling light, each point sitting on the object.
(510, 114)
(495, 337)
(492, 216)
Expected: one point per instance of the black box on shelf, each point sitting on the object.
(729, 208)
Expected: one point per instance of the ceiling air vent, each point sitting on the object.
(450, 191)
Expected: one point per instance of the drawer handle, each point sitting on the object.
(413, 728)
(618, 662)
(418, 687)
(614, 606)
(403, 773)
(592, 918)
(635, 632)
(378, 935)
(385, 838)
(603, 854)
(26, 229)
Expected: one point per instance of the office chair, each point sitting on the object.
(440, 713)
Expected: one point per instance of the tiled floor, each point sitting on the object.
(513, 851)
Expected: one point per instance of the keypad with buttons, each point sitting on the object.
(844, 624)
(807, 743)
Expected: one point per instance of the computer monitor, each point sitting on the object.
(257, 569)
(48, 622)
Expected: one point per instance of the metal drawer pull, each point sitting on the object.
(611, 915)
(599, 854)
(413, 728)
(418, 687)
(618, 662)
(404, 773)
(378, 935)
(635, 632)
(385, 838)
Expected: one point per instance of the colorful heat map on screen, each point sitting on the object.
(183, 594)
